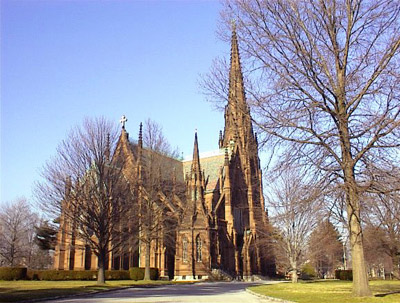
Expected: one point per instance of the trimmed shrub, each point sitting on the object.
(341, 274)
(13, 273)
(137, 273)
(60, 275)
(117, 275)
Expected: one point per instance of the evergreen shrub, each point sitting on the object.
(341, 274)
(308, 272)
(13, 273)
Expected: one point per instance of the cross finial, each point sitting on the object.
(123, 121)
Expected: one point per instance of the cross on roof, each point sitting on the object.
(123, 120)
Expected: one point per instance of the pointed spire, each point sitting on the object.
(140, 141)
(221, 140)
(108, 148)
(196, 158)
(237, 113)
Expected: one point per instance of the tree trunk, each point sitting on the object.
(101, 270)
(147, 262)
(360, 278)
(295, 277)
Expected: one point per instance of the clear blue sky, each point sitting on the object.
(64, 60)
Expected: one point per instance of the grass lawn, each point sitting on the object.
(14, 291)
(330, 291)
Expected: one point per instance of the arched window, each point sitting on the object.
(198, 248)
(184, 249)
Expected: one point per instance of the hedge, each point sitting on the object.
(341, 274)
(20, 273)
(137, 273)
(13, 273)
(59, 275)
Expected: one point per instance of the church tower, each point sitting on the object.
(244, 203)
(193, 253)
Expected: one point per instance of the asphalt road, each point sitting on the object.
(221, 292)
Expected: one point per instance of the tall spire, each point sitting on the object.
(140, 140)
(196, 170)
(237, 113)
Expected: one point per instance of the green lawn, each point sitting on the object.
(14, 291)
(330, 292)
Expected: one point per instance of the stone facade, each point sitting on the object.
(219, 221)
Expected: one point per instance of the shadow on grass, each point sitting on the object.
(387, 294)
(22, 295)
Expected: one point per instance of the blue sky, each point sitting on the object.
(64, 60)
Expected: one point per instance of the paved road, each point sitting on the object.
(225, 292)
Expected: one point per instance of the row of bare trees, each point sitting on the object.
(308, 220)
(323, 80)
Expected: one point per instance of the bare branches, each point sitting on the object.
(325, 87)
(295, 207)
(87, 190)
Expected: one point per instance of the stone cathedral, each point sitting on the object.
(221, 223)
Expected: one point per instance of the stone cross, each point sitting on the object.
(122, 121)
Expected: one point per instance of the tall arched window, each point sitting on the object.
(198, 248)
(184, 249)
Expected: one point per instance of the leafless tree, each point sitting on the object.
(157, 212)
(325, 249)
(378, 252)
(325, 84)
(382, 217)
(85, 188)
(16, 232)
(295, 205)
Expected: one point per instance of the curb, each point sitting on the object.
(272, 299)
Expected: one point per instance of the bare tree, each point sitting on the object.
(157, 213)
(325, 249)
(382, 216)
(86, 188)
(16, 232)
(325, 84)
(295, 205)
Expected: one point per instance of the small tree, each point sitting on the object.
(156, 220)
(382, 217)
(84, 186)
(325, 248)
(16, 232)
(295, 206)
(46, 236)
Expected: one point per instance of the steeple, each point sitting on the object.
(237, 114)
(140, 140)
(108, 148)
(195, 169)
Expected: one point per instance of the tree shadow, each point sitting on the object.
(387, 294)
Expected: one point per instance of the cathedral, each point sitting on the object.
(219, 219)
